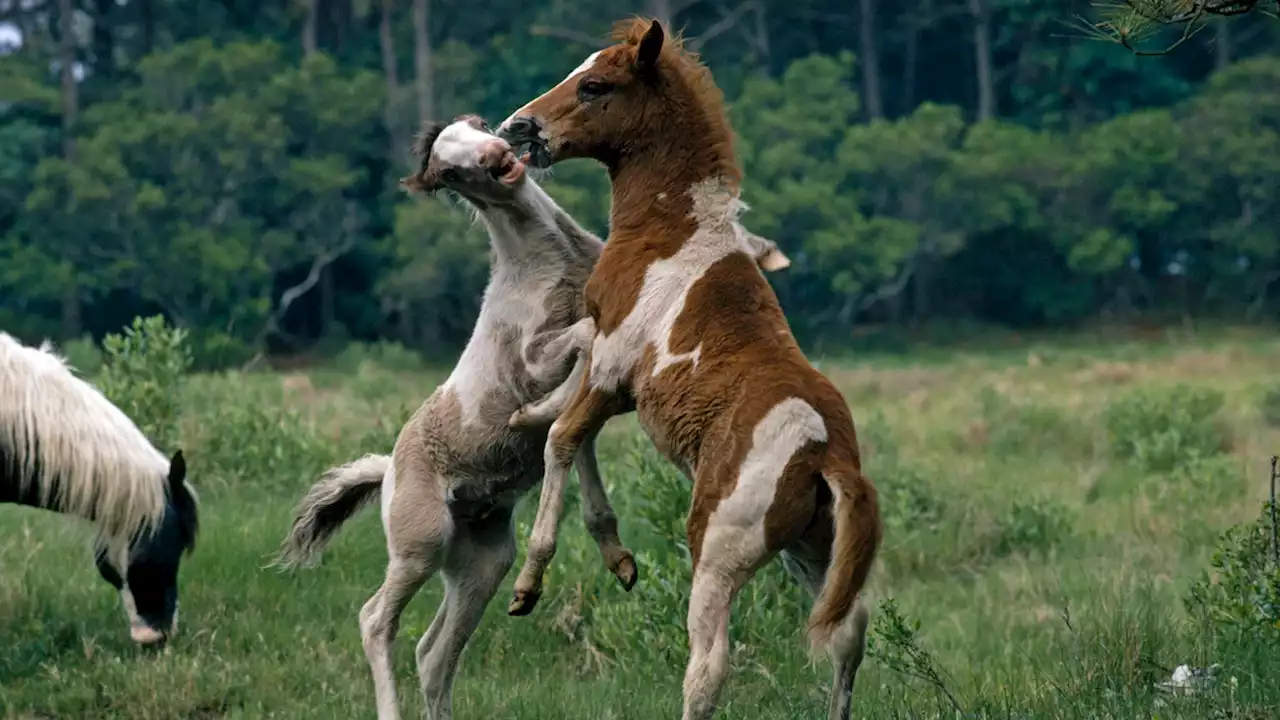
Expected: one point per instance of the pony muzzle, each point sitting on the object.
(526, 133)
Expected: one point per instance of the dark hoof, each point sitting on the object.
(627, 572)
(523, 603)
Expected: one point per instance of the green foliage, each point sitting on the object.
(144, 376)
(1163, 428)
(84, 355)
(385, 354)
(1269, 406)
(1240, 594)
(1034, 526)
(212, 163)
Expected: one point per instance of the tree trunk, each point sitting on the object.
(103, 40)
(147, 10)
(870, 59)
(1222, 49)
(981, 14)
(327, 301)
(389, 70)
(424, 79)
(310, 42)
(70, 90)
(70, 111)
(910, 66)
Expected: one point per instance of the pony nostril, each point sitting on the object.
(521, 129)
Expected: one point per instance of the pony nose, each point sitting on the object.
(492, 154)
(520, 129)
(146, 635)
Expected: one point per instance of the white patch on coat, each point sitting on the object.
(665, 291)
(738, 521)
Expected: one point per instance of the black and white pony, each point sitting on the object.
(64, 447)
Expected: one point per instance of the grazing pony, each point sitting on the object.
(690, 334)
(474, 448)
(64, 447)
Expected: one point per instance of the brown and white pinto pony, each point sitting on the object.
(689, 330)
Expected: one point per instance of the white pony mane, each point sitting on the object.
(57, 426)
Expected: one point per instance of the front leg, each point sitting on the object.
(600, 519)
(587, 412)
(546, 409)
(546, 353)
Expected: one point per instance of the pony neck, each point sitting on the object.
(531, 227)
(667, 184)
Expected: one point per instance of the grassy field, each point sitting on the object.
(1048, 507)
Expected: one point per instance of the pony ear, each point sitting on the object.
(650, 48)
(177, 469)
(774, 260)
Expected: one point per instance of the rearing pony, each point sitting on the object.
(687, 326)
(64, 447)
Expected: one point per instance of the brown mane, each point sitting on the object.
(687, 67)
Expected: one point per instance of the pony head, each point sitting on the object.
(148, 580)
(465, 157)
(629, 101)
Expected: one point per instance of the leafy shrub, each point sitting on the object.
(1032, 526)
(1160, 429)
(1024, 427)
(907, 499)
(1269, 406)
(84, 355)
(264, 445)
(144, 374)
(1241, 592)
(385, 354)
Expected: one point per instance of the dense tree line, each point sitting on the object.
(233, 163)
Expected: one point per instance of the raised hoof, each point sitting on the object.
(523, 603)
(519, 418)
(627, 572)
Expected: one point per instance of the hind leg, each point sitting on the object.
(728, 557)
(600, 518)
(806, 561)
(417, 532)
(479, 557)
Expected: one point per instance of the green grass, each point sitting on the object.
(1045, 558)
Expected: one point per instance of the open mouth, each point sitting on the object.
(509, 171)
(536, 154)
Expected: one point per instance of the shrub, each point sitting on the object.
(1024, 427)
(1032, 526)
(83, 355)
(385, 354)
(1241, 592)
(144, 374)
(1161, 429)
(1269, 406)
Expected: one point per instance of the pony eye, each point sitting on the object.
(594, 88)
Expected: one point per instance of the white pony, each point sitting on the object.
(64, 447)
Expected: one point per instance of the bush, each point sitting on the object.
(1024, 427)
(144, 373)
(83, 355)
(1162, 429)
(1032, 526)
(1241, 592)
(385, 354)
(1269, 406)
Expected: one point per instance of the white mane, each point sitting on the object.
(57, 426)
